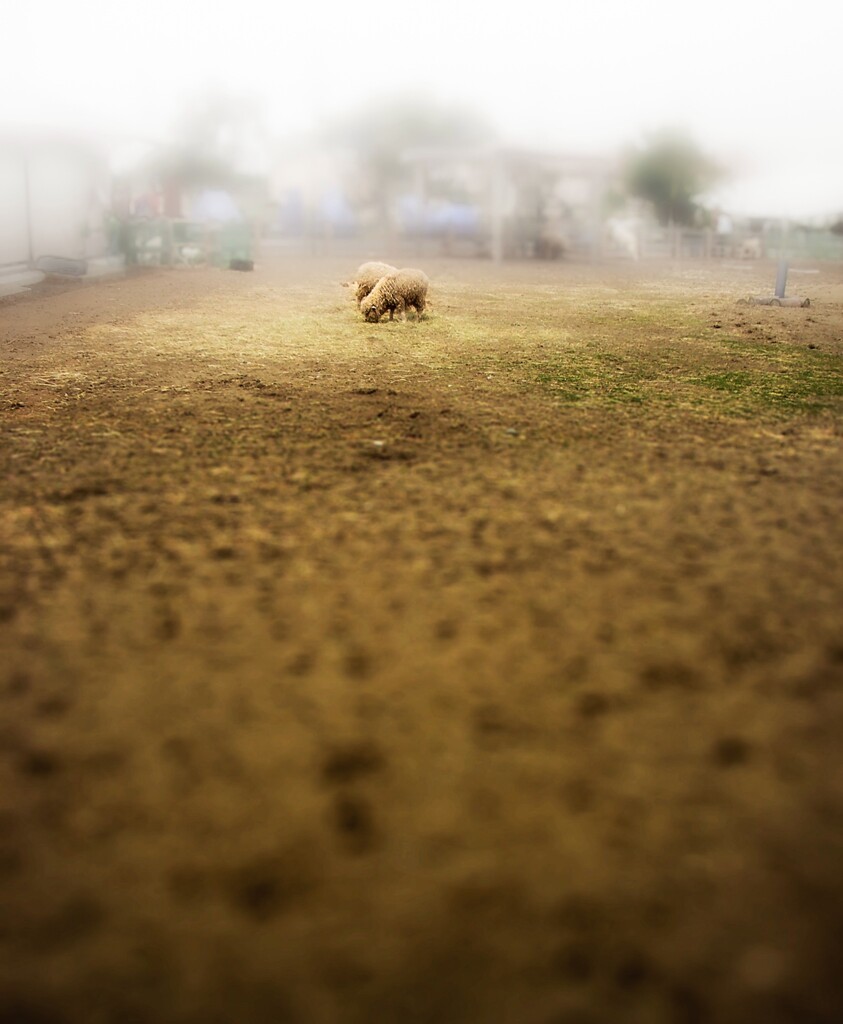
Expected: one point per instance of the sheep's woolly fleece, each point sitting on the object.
(367, 276)
(396, 292)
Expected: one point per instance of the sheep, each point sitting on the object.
(367, 276)
(395, 292)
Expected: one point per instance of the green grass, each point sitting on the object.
(781, 377)
(735, 382)
(662, 354)
(581, 345)
(591, 351)
(792, 381)
(601, 376)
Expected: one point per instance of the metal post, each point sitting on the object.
(781, 275)
(781, 278)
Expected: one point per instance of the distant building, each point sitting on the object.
(55, 194)
(525, 202)
(314, 192)
(497, 201)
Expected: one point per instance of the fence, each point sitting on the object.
(640, 240)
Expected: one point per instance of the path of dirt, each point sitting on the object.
(351, 674)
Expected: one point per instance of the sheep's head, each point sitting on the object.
(369, 310)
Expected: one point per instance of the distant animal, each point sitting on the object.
(395, 292)
(367, 276)
(750, 249)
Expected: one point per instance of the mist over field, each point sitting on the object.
(755, 84)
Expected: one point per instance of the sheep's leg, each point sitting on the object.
(419, 309)
(401, 309)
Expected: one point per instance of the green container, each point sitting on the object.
(233, 242)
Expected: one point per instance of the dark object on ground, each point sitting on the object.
(241, 265)
(775, 300)
(61, 265)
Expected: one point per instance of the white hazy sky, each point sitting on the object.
(758, 84)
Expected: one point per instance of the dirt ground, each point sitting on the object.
(479, 669)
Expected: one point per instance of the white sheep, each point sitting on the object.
(396, 292)
(367, 276)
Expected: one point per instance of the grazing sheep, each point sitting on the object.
(367, 276)
(395, 292)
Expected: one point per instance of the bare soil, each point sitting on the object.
(479, 669)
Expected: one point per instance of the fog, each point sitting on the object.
(755, 84)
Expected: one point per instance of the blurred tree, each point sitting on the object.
(670, 171)
(380, 132)
(217, 141)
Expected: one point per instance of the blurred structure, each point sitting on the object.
(641, 237)
(200, 198)
(520, 203)
(316, 192)
(166, 221)
(494, 201)
(55, 194)
(408, 178)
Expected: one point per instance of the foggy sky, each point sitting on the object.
(758, 85)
